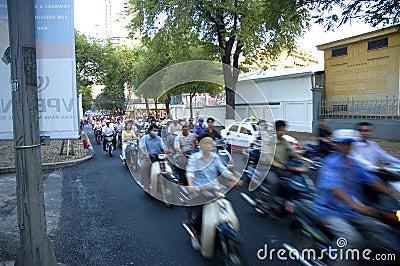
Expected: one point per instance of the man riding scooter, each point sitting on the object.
(150, 146)
(277, 153)
(204, 167)
(338, 202)
(184, 144)
(108, 131)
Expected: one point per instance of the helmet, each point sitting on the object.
(201, 119)
(345, 135)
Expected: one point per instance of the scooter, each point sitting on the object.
(299, 185)
(97, 135)
(224, 155)
(312, 152)
(313, 228)
(119, 138)
(131, 154)
(109, 144)
(162, 184)
(393, 172)
(219, 229)
(179, 162)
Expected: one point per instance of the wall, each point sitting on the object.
(287, 97)
(384, 129)
(364, 74)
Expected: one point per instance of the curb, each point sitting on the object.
(55, 165)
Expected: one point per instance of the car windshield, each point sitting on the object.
(255, 127)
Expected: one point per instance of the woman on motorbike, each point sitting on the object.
(127, 133)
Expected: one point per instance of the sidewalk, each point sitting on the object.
(52, 157)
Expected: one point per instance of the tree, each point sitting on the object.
(159, 52)
(101, 62)
(86, 94)
(333, 13)
(238, 27)
(90, 58)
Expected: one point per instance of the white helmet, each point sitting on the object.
(345, 135)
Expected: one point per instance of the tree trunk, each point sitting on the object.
(167, 104)
(231, 75)
(146, 101)
(230, 79)
(191, 95)
(155, 108)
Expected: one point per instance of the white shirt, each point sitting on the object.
(172, 128)
(369, 153)
(184, 143)
(108, 130)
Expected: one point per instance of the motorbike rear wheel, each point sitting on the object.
(232, 256)
(110, 151)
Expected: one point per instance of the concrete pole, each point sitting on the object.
(35, 247)
(317, 97)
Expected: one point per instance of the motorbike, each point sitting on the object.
(179, 162)
(162, 184)
(131, 154)
(298, 185)
(97, 135)
(223, 153)
(219, 229)
(314, 229)
(393, 174)
(119, 137)
(109, 144)
(312, 152)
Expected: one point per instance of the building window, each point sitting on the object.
(372, 45)
(339, 52)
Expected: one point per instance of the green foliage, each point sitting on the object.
(101, 62)
(334, 13)
(236, 27)
(168, 47)
(86, 94)
(90, 58)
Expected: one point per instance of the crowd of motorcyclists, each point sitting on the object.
(352, 172)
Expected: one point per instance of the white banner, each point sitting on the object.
(55, 52)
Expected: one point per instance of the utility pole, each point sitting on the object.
(35, 247)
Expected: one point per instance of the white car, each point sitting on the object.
(240, 135)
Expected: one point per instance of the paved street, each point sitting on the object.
(106, 219)
(97, 215)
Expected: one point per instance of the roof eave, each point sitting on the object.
(361, 37)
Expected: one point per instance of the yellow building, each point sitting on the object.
(363, 67)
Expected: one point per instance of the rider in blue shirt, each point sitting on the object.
(203, 168)
(199, 128)
(150, 146)
(340, 186)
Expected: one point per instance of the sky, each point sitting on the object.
(89, 19)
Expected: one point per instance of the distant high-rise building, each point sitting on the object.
(116, 21)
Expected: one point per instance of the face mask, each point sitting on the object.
(154, 134)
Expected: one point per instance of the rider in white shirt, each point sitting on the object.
(369, 152)
(107, 130)
(370, 155)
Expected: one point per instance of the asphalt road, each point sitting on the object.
(106, 219)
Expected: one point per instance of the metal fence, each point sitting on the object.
(371, 109)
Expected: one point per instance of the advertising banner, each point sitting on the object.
(55, 53)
